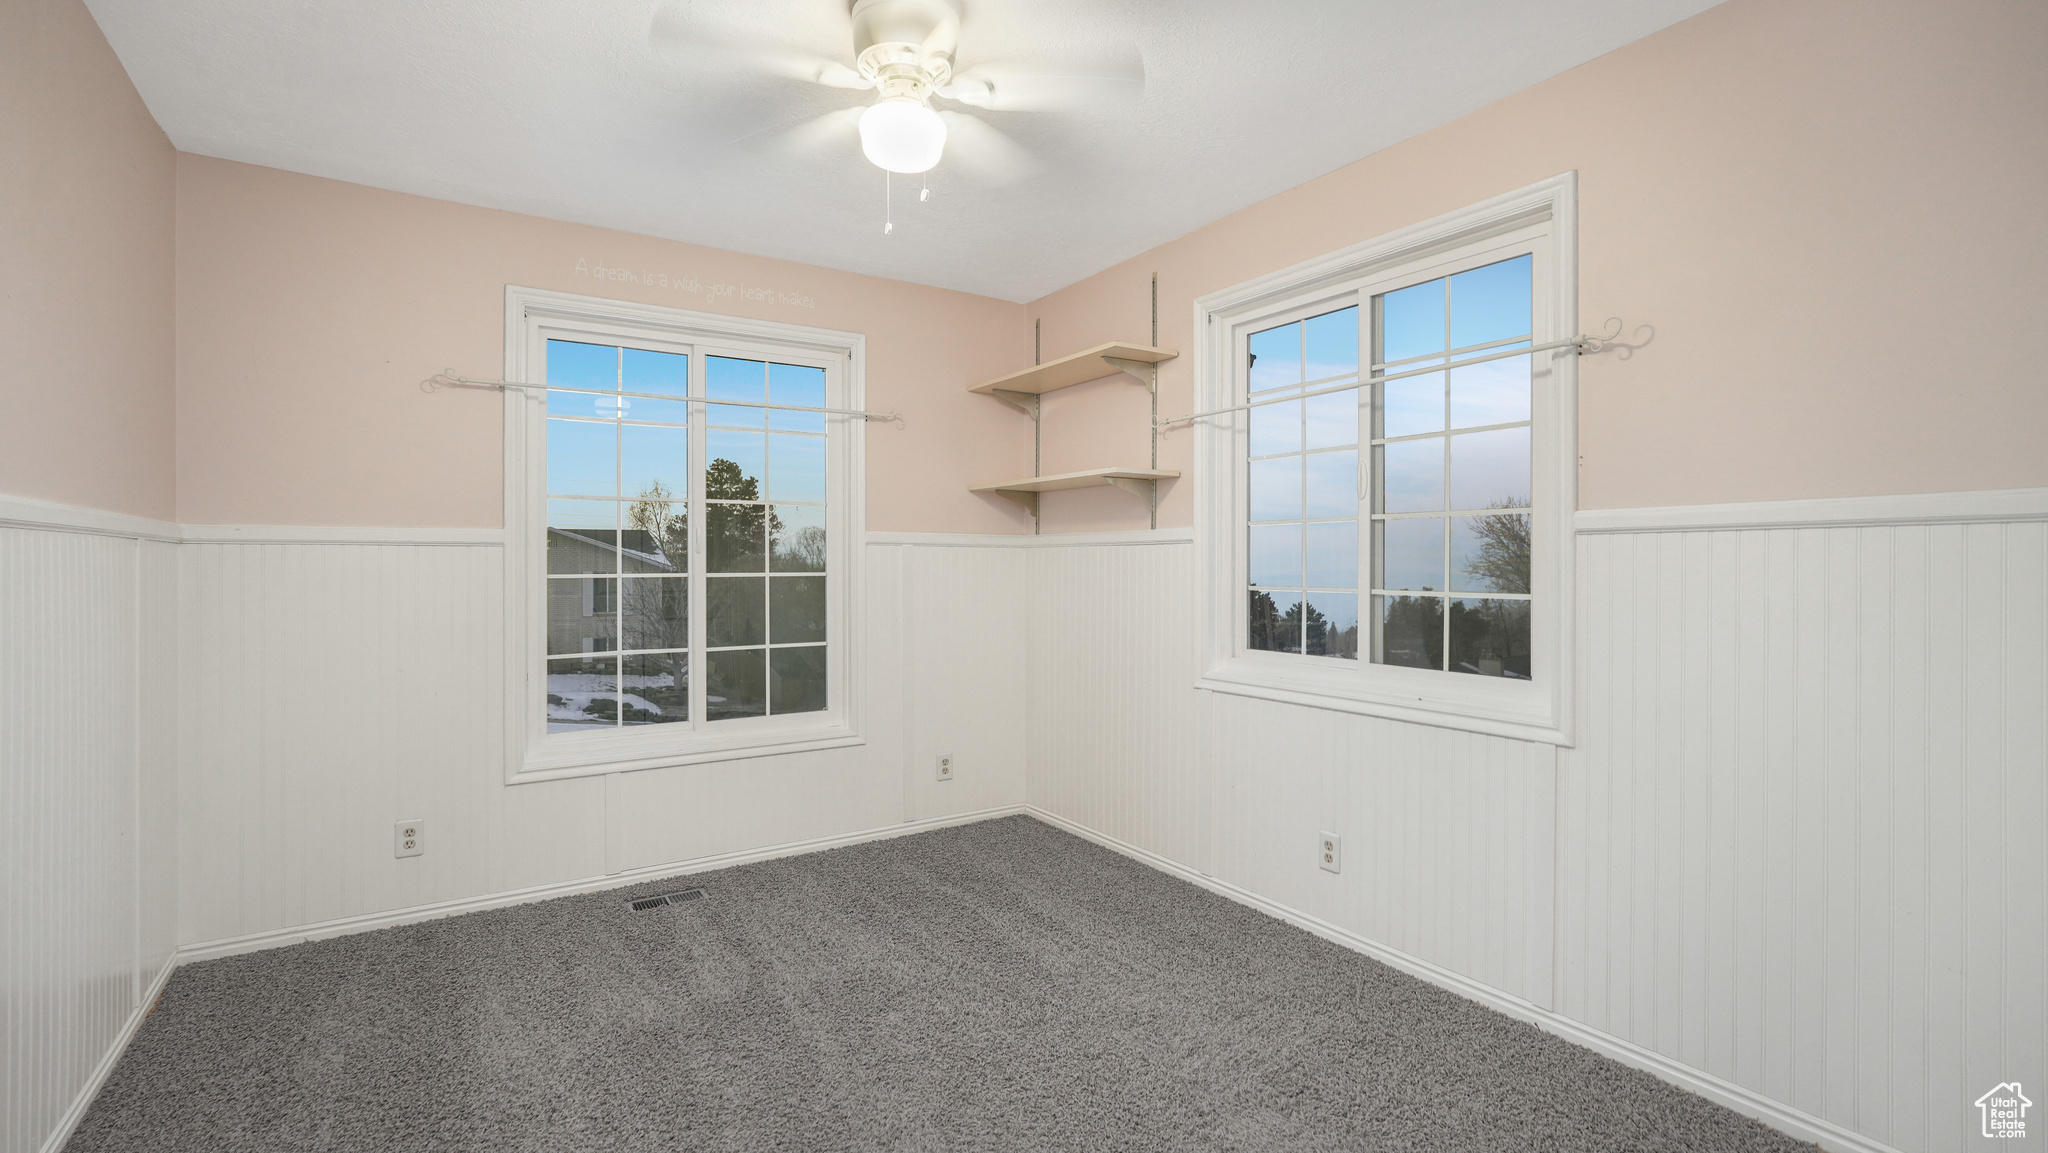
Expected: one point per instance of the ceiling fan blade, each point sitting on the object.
(833, 74)
(1006, 86)
(983, 151)
(677, 24)
(814, 137)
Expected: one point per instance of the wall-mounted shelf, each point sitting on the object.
(1137, 481)
(1080, 368)
(1025, 389)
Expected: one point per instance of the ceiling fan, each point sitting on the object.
(904, 51)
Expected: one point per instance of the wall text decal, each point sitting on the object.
(712, 293)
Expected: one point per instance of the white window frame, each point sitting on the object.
(1541, 219)
(533, 754)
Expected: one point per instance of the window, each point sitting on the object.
(691, 557)
(1388, 491)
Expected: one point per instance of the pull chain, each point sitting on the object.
(888, 202)
(924, 190)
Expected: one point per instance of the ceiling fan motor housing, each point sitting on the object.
(905, 46)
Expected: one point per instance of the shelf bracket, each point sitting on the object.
(1027, 402)
(1028, 499)
(1144, 490)
(1144, 370)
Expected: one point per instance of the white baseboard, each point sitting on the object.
(368, 922)
(1794, 1122)
(100, 1072)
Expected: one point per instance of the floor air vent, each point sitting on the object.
(642, 904)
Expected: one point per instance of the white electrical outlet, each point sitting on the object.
(1330, 852)
(945, 766)
(408, 838)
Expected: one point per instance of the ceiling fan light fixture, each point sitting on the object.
(901, 134)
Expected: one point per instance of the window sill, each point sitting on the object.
(1471, 704)
(560, 759)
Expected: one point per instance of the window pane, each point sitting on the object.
(582, 694)
(1332, 419)
(796, 610)
(572, 364)
(797, 538)
(735, 537)
(1496, 392)
(656, 538)
(1413, 404)
(1275, 622)
(645, 370)
(1276, 428)
(1276, 488)
(1276, 357)
(1332, 343)
(1490, 638)
(796, 468)
(1333, 554)
(1412, 321)
(583, 458)
(1411, 554)
(667, 373)
(1412, 475)
(1411, 631)
(735, 609)
(654, 612)
(656, 688)
(796, 680)
(1490, 554)
(580, 536)
(795, 384)
(1490, 469)
(736, 464)
(736, 684)
(1332, 626)
(1490, 303)
(582, 615)
(1276, 555)
(728, 379)
(1333, 483)
(654, 462)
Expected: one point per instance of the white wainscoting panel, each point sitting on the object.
(1447, 835)
(1802, 840)
(330, 690)
(1115, 731)
(333, 688)
(157, 675)
(84, 648)
(1798, 848)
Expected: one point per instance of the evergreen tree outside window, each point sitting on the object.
(619, 478)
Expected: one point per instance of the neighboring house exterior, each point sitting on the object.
(583, 615)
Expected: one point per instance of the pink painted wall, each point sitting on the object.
(86, 184)
(1830, 210)
(309, 310)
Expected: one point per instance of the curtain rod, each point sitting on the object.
(449, 380)
(1582, 345)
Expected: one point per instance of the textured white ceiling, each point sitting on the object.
(580, 111)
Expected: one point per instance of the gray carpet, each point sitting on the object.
(1001, 986)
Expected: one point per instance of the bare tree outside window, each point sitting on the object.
(1502, 563)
